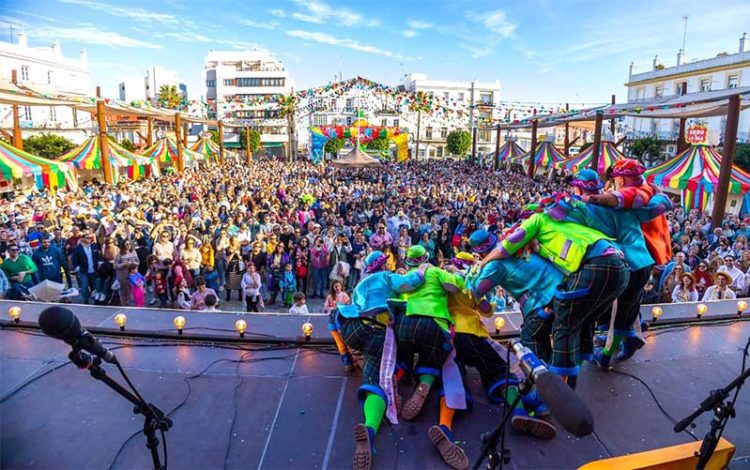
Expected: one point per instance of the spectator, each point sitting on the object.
(650, 295)
(300, 305)
(703, 278)
(738, 283)
(251, 284)
(720, 290)
(50, 262)
(198, 298)
(85, 260)
(335, 296)
(19, 269)
(685, 291)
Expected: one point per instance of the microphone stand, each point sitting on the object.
(154, 418)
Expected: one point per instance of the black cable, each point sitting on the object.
(235, 406)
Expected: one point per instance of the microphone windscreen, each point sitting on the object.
(60, 323)
(567, 407)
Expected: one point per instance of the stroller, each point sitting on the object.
(105, 290)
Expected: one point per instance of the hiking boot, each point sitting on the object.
(452, 454)
(602, 360)
(414, 405)
(630, 345)
(537, 427)
(362, 448)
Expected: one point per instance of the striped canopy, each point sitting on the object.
(165, 151)
(545, 156)
(17, 164)
(88, 156)
(210, 149)
(509, 151)
(608, 155)
(696, 173)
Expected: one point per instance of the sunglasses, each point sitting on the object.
(12, 249)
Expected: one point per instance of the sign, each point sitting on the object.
(696, 134)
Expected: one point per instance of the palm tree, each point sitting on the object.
(169, 97)
(288, 109)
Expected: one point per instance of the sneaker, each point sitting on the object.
(602, 360)
(537, 427)
(629, 346)
(600, 341)
(452, 454)
(535, 405)
(413, 405)
(362, 448)
(153, 302)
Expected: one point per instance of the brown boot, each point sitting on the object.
(399, 401)
(362, 448)
(449, 450)
(413, 405)
(538, 428)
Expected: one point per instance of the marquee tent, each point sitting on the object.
(545, 157)
(608, 155)
(165, 151)
(210, 149)
(24, 169)
(508, 151)
(356, 159)
(87, 157)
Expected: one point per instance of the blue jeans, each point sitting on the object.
(85, 283)
(319, 281)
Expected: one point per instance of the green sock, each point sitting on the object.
(374, 409)
(511, 395)
(616, 340)
(427, 379)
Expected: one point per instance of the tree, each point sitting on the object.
(126, 144)
(288, 109)
(214, 135)
(254, 140)
(459, 142)
(334, 146)
(381, 143)
(169, 97)
(646, 148)
(47, 145)
(742, 156)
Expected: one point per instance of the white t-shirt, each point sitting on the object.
(299, 310)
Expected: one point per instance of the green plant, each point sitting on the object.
(288, 109)
(169, 97)
(646, 148)
(126, 144)
(381, 143)
(254, 140)
(214, 135)
(459, 142)
(334, 146)
(47, 145)
(742, 156)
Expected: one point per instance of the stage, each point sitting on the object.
(271, 406)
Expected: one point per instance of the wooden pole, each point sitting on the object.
(178, 138)
(532, 151)
(17, 137)
(570, 144)
(248, 152)
(98, 92)
(474, 145)
(730, 144)
(101, 118)
(185, 133)
(150, 135)
(597, 142)
(620, 141)
(681, 144)
(496, 158)
(567, 133)
(612, 121)
(221, 142)
(419, 131)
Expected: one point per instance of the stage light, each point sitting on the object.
(179, 323)
(700, 310)
(240, 325)
(741, 307)
(121, 319)
(499, 324)
(307, 329)
(15, 313)
(656, 313)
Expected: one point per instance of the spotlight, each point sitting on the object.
(240, 325)
(656, 313)
(15, 313)
(307, 329)
(499, 324)
(179, 323)
(741, 307)
(700, 310)
(121, 319)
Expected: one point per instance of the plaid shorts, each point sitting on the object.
(536, 332)
(368, 338)
(421, 335)
(597, 284)
(475, 351)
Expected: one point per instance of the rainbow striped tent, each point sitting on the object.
(695, 175)
(165, 151)
(22, 167)
(87, 157)
(210, 149)
(545, 157)
(608, 155)
(509, 151)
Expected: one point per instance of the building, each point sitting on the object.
(721, 72)
(156, 77)
(132, 89)
(233, 79)
(434, 129)
(46, 70)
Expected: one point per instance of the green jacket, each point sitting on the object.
(14, 268)
(563, 243)
(431, 299)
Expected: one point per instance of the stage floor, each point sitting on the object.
(295, 408)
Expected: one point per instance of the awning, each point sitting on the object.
(270, 145)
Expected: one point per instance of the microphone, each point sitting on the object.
(61, 323)
(567, 407)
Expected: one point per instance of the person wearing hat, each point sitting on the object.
(685, 291)
(426, 329)
(625, 227)
(720, 290)
(366, 325)
(596, 271)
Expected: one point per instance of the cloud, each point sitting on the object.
(477, 52)
(495, 21)
(188, 36)
(277, 12)
(347, 43)
(242, 45)
(270, 25)
(134, 13)
(319, 12)
(409, 33)
(418, 24)
(89, 34)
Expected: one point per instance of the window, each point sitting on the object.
(211, 83)
(349, 105)
(460, 97)
(27, 113)
(706, 84)
(395, 123)
(486, 98)
(52, 113)
(443, 133)
(428, 133)
(349, 121)
(446, 95)
(440, 152)
(733, 81)
(432, 153)
(252, 81)
(50, 74)
(384, 122)
(659, 91)
(679, 87)
(228, 82)
(319, 120)
(24, 72)
(485, 135)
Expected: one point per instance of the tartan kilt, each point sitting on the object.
(475, 351)
(417, 334)
(535, 333)
(368, 338)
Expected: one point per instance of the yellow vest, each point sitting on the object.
(466, 315)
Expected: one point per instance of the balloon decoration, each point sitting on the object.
(361, 129)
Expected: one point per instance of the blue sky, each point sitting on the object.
(575, 51)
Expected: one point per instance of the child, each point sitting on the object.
(160, 287)
(210, 302)
(335, 296)
(300, 305)
(211, 276)
(288, 285)
(137, 285)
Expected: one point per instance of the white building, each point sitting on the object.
(132, 89)
(721, 72)
(46, 70)
(243, 76)
(156, 77)
(434, 129)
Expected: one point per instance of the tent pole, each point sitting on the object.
(567, 133)
(495, 159)
(681, 144)
(178, 138)
(248, 152)
(103, 141)
(221, 141)
(597, 142)
(730, 144)
(612, 121)
(150, 135)
(184, 134)
(17, 137)
(532, 151)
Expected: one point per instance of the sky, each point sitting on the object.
(546, 51)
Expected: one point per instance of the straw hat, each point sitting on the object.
(689, 275)
(726, 275)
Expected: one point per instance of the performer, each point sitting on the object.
(596, 271)
(475, 348)
(624, 226)
(426, 329)
(364, 326)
